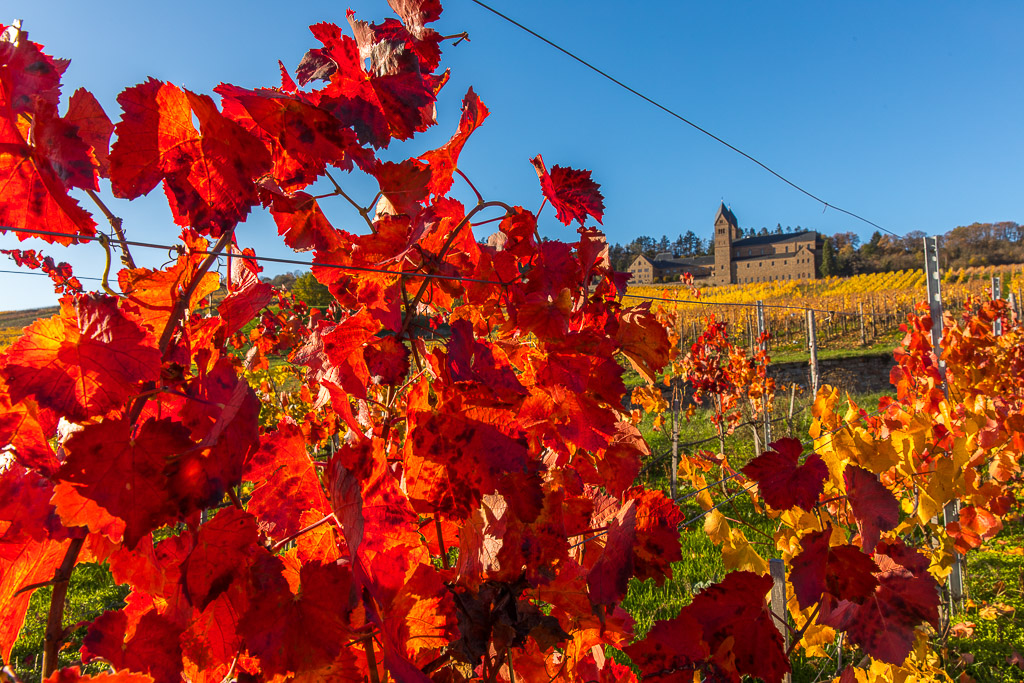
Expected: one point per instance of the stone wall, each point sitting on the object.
(774, 267)
(858, 374)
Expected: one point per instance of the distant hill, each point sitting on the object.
(20, 319)
(13, 322)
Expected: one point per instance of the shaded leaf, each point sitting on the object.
(874, 506)
(783, 481)
(843, 571)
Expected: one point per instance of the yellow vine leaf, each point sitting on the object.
(737, 553)
(939, 490)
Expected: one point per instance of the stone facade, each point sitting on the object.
(765, 258)
(669, 266)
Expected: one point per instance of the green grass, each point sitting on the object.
(801, 354)
(91, 592)
(993, 577)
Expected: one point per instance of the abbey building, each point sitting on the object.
(738, 260)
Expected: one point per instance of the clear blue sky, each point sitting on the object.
(908, 113)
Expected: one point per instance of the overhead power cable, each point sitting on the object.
(32, 272)
(670, 112)
(270, 259)
(382, 271)
(723, 303)
(687, 522)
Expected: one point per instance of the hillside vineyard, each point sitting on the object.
(434, 477)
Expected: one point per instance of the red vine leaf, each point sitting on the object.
(94, 126)
(396, 104)
(416, 13)
(223, 550)
(404, 185)
(29, 77)
(302, 138)
(277, 627)
(26, 429)
(445, 159)
(152, 646)
(58, 146)
(843, 571)
(906, 596)
(83, 362)
(785, 483)
(152, 294)
(287, 481)
(672, 647)
(300, 220)
(573, 194)
(208, 175)
(739, 629)
(643, 340)
(30, 562)
(874, 506)
(974, 526)
(124, 470)
(34, 196)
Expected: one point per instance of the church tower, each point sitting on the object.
(726, 231)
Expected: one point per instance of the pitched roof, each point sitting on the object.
(682, 262)
(764, 257)
(774, 239)
(723, 211)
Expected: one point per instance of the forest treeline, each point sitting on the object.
(845, 253)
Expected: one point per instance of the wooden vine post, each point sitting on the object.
(997, 293)
(863, 327)
(874, 328)
(766, 408)
(674, 474)
(777, 570)
(812, 346)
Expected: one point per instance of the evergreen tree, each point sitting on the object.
(691, 244)
(828, 267)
